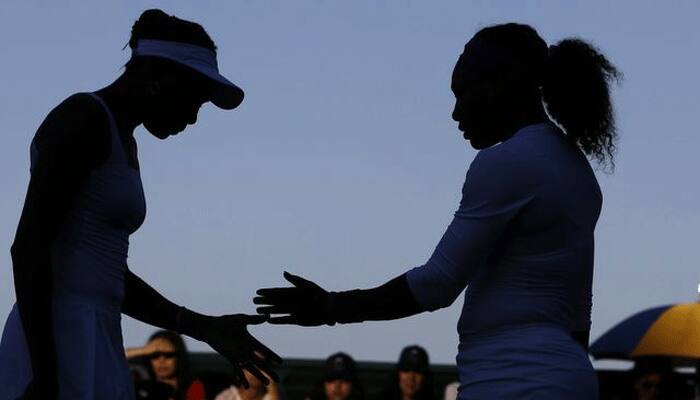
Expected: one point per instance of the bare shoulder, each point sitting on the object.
(76, 127)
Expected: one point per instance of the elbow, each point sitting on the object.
(19, 252)
(20, 249)
(432, 290)
(438, 297)
(443, 301)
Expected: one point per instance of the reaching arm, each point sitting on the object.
(145, 304)
(227, 334)
(308, 304)
(68, 144)
(492, 197)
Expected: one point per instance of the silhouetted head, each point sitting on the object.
(168, 55)
(340, 380)
(415, 380)
(412, 378)
(171, 360)
(652, 378)
(507, 72)
(340, 376)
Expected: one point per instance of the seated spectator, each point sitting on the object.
(412, 379)
(652, 379)
(647, 386)
(169, 365)
(340, 381)
(255, 391)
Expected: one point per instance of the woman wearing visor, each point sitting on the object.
(63, 337)
(521, 241)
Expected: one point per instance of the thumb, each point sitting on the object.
(297, 281)
(253, 319)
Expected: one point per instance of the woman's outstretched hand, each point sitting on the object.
(228, 335)
(305, 303)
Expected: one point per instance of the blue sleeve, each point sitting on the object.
(494, 191)
(584, 298)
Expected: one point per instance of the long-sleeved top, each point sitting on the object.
(522, 244)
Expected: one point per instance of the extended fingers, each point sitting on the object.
(253, 369)
(253, 319)
(273, 295)
(274, 310)
(265, 351)
(268, 371)
(284, 320)
(238, 375)
(297, 281)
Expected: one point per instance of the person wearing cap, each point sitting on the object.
(412, 378)
(340, 380)
(63, 337)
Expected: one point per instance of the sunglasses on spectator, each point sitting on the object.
(647, 385)
(159, 354)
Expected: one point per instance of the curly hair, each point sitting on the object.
(572, 78)
(576, 90)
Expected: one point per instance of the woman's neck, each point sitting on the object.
(123, 104)
(526, 117)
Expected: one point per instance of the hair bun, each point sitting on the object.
(157, 25)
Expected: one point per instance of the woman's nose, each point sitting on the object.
(456, 112)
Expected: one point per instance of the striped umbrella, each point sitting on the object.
(671, 330)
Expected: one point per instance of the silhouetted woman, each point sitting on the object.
(522, 238)
(63, 338)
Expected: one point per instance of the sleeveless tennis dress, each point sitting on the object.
(88, 258)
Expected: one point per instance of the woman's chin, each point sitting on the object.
(162, 134)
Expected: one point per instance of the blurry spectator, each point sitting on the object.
(652, 379)
(647, 386)
(451, 391)
(256, 390)
(340, 381)
(169, 364)
(412, 379)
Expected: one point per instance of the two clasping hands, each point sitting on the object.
(305, 304)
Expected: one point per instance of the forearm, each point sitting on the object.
(145, 304)
(32, 281)
(134, 352)
(392, 300)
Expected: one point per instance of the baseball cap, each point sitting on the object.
(414, 358)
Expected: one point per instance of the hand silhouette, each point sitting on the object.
(228, 335)
(305, 304)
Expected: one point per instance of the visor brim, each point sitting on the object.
(224, 93)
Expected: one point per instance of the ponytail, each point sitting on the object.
(576, 91)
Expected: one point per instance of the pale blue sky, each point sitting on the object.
(343, 164)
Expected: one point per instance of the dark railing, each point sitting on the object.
(300, 377)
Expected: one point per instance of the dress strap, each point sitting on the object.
(114, 131)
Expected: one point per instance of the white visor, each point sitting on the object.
(225, 94)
